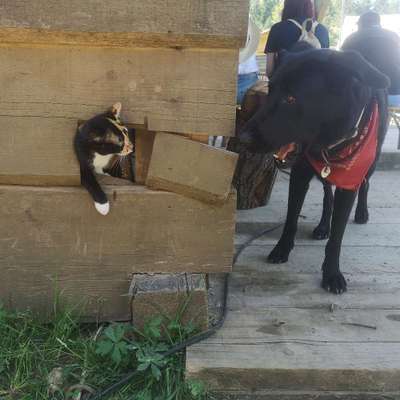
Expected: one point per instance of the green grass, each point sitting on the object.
(41, 360)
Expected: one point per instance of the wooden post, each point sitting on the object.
(255, 173)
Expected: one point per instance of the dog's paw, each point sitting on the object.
(103, 209)
(321, 232)
(279, 255)
(361, 216)
(334, 283)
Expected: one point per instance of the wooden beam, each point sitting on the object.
(191, 168)
(54, 240)
(204, 23)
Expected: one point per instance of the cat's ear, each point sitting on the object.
(116, 109)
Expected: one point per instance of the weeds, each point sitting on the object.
(66, 360)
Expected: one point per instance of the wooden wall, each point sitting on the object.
(52, 239)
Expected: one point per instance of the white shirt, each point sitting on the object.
(249, 66)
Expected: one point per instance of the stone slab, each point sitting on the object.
(170, 296)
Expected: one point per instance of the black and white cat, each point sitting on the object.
(99, 144)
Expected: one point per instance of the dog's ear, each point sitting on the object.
(359, 67)
(295, 61)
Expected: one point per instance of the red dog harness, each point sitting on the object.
(348, 167)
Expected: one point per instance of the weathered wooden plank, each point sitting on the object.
(42, 37)
(223, 22)
(305, 395)
(191, 168)
(144, 148)
(39, 111)
(97, 292)
(355, 235)
(170, 296)
(292, 366)
(52, 239)
(146, 231)
(176, 91)
(355, 260)
(309, 326)
(283, 289)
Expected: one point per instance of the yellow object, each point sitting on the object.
(262, 43)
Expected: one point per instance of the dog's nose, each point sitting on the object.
(245, 137)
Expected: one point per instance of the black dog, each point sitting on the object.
(320, 99)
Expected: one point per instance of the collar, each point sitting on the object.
(355, 131)
(117, 123)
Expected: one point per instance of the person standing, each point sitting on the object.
(380, 47)
(283, 35)
(248, 76)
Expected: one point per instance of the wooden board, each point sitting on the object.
(40, 111)
(330, 367)
(205, 23)
(305, 395)
(144, 148)
(53, 239)
(190, 168)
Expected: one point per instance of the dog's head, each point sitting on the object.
(316, 96)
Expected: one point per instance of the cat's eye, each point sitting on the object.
(124, 130)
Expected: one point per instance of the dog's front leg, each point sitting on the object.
(362, 215)
(323, 229)
(300, 178)
(332, 278)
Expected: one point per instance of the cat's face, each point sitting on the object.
(107, 135)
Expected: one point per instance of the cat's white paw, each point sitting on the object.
(103, 209)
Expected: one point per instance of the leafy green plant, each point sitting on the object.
(61, 358)
(114, 343)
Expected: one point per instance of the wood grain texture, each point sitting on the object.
(191, 168)
(41, 37)
(53, 239)
(147, 231)
(305, 395)
(221, 18)
(332, 367)
(45, 91)
(143, 150)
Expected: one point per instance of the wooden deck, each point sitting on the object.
(285, 338)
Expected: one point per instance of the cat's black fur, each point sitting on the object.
(100, 143)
